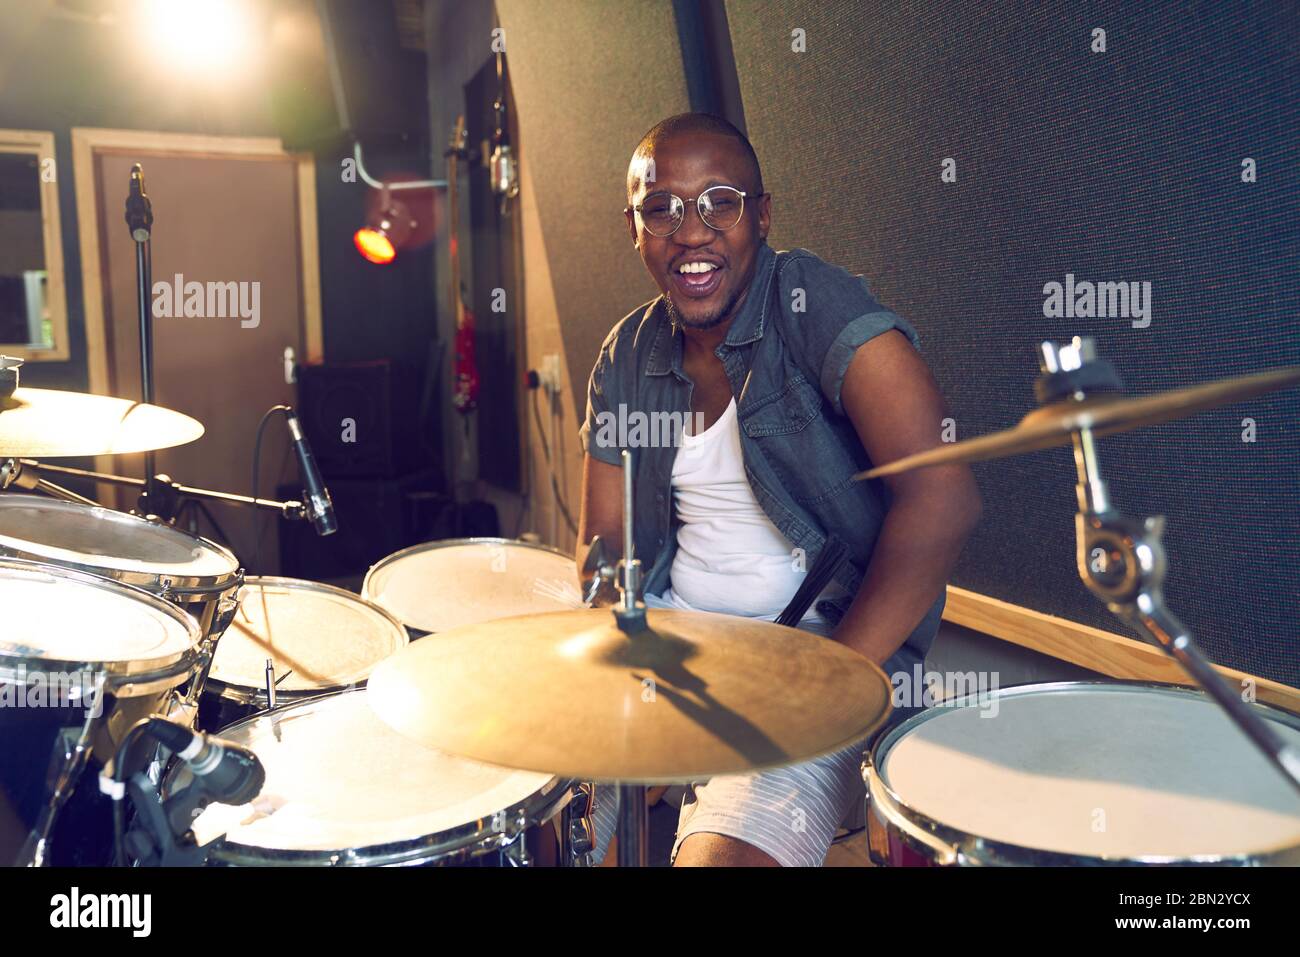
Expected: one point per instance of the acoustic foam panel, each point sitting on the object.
(589, 78)
(1122, 165)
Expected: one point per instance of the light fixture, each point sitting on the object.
(391, 223)
(199, 34)
(386, 231)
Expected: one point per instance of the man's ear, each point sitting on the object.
(764, 214)
(631, 225)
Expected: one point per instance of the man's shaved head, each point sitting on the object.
(686, 124)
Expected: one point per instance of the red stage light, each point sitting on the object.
(374, 245)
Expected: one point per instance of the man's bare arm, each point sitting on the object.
(897, 409)
(602, 510)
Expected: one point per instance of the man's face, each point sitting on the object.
(686, 165)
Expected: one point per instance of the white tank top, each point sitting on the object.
(730, 557)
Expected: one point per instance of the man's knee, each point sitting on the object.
(717, 850)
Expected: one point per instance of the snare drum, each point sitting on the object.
(320, 638)
(438, 586)
(82, 658)
(342, 788)
(1080, 773)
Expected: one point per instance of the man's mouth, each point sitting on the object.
(697, 279)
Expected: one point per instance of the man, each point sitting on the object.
(792, 379)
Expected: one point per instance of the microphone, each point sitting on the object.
(228, 772)
(320, 509)
(139, 211)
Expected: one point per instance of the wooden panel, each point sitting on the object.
(1102, 651)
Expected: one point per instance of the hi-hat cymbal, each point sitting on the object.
(45, 423)
(1052, 424)
(568, 693)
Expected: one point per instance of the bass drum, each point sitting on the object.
(342, 788)
(1079, 773)
(82, 658)
(319, 638)
(438, 586)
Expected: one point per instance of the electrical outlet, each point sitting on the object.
(550, 373)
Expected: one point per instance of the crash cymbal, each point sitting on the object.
(568, 693)
(44, 423)
(1052, 424)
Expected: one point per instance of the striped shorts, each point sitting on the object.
(791, 813)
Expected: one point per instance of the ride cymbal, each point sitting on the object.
(567, 693)
(1053, 424)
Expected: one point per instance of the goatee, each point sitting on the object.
(705, 322)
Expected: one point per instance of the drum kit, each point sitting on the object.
(464, 707)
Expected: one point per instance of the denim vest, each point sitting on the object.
(785, 354)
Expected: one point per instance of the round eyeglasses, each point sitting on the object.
(720, 208)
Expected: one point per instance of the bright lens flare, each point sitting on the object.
(199, 33)
(374, 246)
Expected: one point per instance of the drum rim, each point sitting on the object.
(153, 581)
(889, 806)
(128, 677)
(243, 694)
(397, 556)
(466, 840)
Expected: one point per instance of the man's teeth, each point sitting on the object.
(696, 267)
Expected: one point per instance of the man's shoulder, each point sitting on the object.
(796, 267)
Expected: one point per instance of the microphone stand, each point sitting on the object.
(15, 473)
(139, 219)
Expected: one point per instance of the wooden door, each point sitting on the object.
(219, 219)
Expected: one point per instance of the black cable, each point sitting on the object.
(550, 467)
(257, 456)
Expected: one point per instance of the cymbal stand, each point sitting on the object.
(1122, 561)
(633, 814)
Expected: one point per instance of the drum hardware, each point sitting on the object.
(577, 831)
(1121, 560)
(648, 698)
(68, 761)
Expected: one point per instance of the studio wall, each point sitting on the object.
(1124, 164)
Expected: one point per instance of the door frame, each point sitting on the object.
(87, 140)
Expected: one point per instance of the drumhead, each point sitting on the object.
(340, 781)
(110, 543)
(323, 637)
(55, 616)
(1110, 771)
(443, 585)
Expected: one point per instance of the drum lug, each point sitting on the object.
(578, 829)
(165, 585)
(226, 608)
(516, 851)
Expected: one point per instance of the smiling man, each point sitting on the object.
(794, 379)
